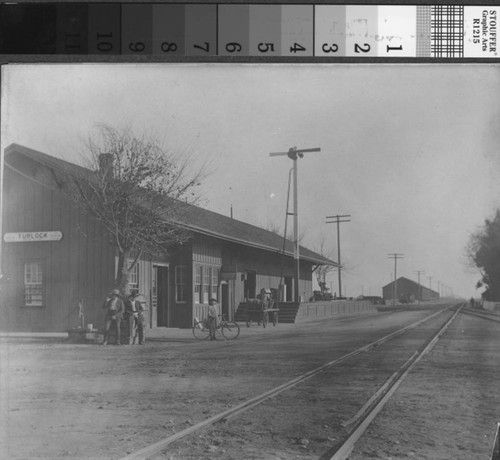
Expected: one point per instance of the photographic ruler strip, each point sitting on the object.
(179, 30)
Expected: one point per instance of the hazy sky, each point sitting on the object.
(411, 152)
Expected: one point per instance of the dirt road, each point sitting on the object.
(62, 400)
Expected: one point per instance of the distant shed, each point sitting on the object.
(409, 291)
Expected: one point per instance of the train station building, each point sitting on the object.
(59, 264)
(408, 291)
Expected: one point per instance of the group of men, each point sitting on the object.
(130, 310)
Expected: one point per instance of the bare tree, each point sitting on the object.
(348, 267)
(137, 190)
(322, 270)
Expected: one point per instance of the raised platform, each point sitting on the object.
(309, 311)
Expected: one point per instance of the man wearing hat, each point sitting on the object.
(140, 321)
(131, 314)
(114, 313)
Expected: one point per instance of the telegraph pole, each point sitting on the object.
(294, 153)
(395, 256)
(430, 282)
(338, 221)
(419, 286)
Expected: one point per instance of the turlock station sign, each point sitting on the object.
(32, 237)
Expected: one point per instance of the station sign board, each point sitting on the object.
(32, 237)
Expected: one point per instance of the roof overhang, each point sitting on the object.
(264, 247)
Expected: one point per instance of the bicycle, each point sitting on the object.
(228, 329)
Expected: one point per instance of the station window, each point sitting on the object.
(33, 284)
(133, 280)
(180, 284)
(215, 284)
(206, 284)
(197, 284)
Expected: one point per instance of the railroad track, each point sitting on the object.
(353, 427)
(370, 410)
(484, 315)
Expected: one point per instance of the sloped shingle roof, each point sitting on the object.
(196, 219)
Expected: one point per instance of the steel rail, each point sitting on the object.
(156, 447)
(370, 410)
(486, 316)
(495, 451)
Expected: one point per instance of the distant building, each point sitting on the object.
(55, 257)
(408, 291)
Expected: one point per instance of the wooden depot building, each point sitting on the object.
(58, 264)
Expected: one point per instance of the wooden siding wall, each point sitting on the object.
(207, 251)
(70, 273)
(268, 268)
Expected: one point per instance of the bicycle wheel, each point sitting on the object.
(201, 330)
(230, 330)
(218, 334)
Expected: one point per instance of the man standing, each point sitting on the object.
(114, 313)
(212, 317)
(131, 315)
(139, 317)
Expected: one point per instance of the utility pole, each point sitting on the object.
(338, 221)
(419, 286)
(430, 282)
(294, 153)
(395, 256)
